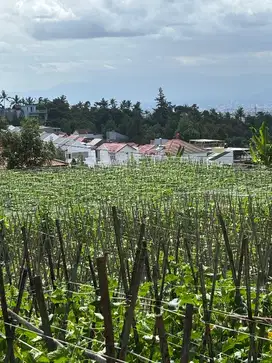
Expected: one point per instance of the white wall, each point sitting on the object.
(91, 159)
(125, 155)
(225, 159)
(195, 157)
(121, 157)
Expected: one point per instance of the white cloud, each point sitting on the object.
(47, 42)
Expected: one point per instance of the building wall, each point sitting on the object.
(74, 152)
(195, 157)
(104, 157)
(224, 160)
(91, 159)
(124, 155)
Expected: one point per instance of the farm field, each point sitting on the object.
(183, 250)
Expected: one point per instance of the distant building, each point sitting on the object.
(33, 111)
(230, 156)
(24, 111)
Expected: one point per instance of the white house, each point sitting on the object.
(33, 111)
(115, 153)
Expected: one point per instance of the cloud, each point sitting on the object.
(122, 44)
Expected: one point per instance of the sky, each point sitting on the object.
(209, 52)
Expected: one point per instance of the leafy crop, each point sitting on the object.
(207, 243)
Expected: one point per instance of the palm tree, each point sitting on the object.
(4, 97)
(15, 101)
(28, 101)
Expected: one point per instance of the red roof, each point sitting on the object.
(74, 137)
(113, 147)
(172, 147)
(147, 149)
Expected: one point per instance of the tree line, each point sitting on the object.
(141, 126)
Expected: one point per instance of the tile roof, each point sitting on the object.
(172, 147)
(147, 149)
(113, 147)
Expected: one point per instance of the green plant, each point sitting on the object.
(261, 146)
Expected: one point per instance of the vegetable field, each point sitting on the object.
(164, 262)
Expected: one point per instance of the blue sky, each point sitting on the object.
(209, 52)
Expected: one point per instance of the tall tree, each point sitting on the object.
(28, 101)
(162, 110)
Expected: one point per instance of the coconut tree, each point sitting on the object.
(15, 101)
(28, 101)
(4, 97)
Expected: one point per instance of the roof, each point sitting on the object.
(56, 162)
(113, 147)
(172, 147)
(218, 156)
(147, 149)
(94, 142)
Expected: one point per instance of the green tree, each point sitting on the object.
(25, 149)
(162, 110)
(15, 101)
(28, 101)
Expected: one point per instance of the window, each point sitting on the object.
(97, 155)
(112, 156)
(69, 156)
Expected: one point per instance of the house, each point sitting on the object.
(75, 149)
(230, 156)
(47, 136)
(190, 151)
(113, 136)
(115, 153)
(34, 111)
